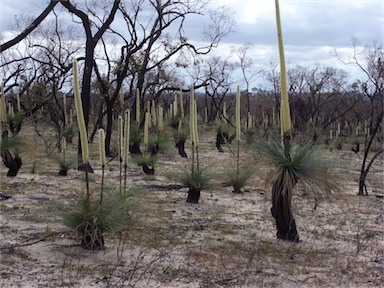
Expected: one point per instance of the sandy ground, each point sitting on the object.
(227, 240)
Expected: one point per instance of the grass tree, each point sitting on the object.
(92, 213)
(64, 162)
(239, 176)
(147, 160)
(194, 177)
(9, 144)
(292, 164)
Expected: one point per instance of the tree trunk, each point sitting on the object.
(237, 190)
(282, 210)
(93, 238)
(134, 149)
(180, 145)
(13, 163)
(63, 172)
(364, 172)
(148, 170)
(221, 138)
(193, 195)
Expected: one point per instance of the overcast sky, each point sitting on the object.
(312, 29)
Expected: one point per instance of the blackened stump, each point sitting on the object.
(148, 170)
(237, 190)
(63, 172)
(282, 211)
(221, 138)
(93, 238)
(15, 128)
(13, 163)
(154, 149)
(85, 167)
(180, 145)
(193, 195)
(134, 149)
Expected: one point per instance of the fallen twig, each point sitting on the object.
(28, 243)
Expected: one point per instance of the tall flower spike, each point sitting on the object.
(191, 115)
(161, 119)
(237, 115)
(137, 106)
(3, 107)
(18, 101)
(102, 148)
(181, 104)
(285, 117)
(127, 125)
(146, 128)
(120, 132)
(196, 134)
(121, 99)
(64, 108)
(80, 114)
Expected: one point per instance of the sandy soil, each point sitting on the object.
(227, 240)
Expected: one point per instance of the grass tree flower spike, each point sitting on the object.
(237, 115)
(153, 113)
(196, 134)
(102, 148)
(120, 132)
(121, 99)
(181, 104)
(18, 101)
(146, 128)
(191, 115)
(80, 114)
(3, 107)
(64, 108)
(285, 117)
(137, 106)
(161, 119)
(127, 125)
(175, 112)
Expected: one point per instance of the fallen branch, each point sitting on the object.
(28, 243)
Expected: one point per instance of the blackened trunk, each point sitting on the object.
(237, 190)
(93, 238)
(148, 170)
(193, 195)
(12, 172)
(108, 132)
(134, 149)
(282, 210)
(63, 172)
(69, 139)
(13, 163)
(221, 138)
(15, 128)
(180, 145)
(154, 149)
(84, 167)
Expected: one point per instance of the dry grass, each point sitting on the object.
(226, 240)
